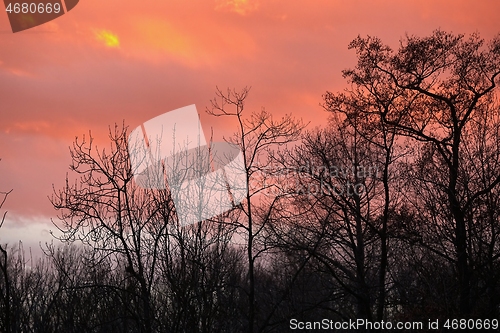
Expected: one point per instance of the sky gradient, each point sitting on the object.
(109, 61)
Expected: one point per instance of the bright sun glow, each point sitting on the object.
(109, 38)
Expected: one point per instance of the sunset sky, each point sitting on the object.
(109, 61)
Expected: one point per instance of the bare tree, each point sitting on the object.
(433, 90)
(257, 135)
(5, 282)
(105, 210)
(373, 150)
(340, 189)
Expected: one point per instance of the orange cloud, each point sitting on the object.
(161, 36)
(159, 40)
(59, 80)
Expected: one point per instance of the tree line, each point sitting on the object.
(389, 212)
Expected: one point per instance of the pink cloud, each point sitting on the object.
(58, 80)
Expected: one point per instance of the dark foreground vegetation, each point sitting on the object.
(390, 212)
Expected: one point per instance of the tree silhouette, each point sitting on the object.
(389, 212)
(5, 294)
(435, 90)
